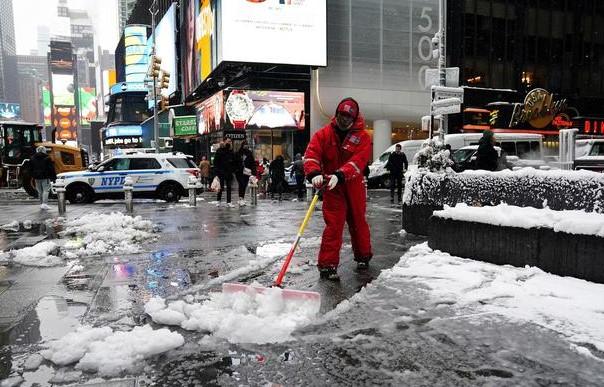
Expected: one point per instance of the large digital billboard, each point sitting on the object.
(10, 111)
(87, 100)
(274, 31)
(63, 89)
(46, 108)
(268, 109)
(165, 46)
(137, 52)
(66, 123)
(210, 114)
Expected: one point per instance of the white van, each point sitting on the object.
(527, 147)
(378, 174)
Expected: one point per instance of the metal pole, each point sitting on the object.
(442, 64)
(155, 123)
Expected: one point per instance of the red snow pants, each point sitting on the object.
(346, 203)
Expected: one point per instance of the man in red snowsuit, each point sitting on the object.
(337, 156)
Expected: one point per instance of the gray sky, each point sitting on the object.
(31, 13)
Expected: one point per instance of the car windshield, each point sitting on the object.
(597, 149)
(582, 148)
(384, 157)
(461, 155)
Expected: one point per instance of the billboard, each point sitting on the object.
(210, 114)
(63, 89)
(66, 123)
(165, 46)
(87, 99)
(274, 31)
(46, 108)
(10, 111)
(271, 109)
(137, 52)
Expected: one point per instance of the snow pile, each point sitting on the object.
(433, 156)
(571, 222)
(567, 305)
(106, 233)
(249, 317)
(42, 254)
(110, 353)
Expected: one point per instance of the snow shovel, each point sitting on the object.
(287, 293)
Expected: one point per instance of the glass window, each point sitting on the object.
(508, 147)
(524, 149)
(597, 150)
(117, 165)
(535, 148)
(182, 163)
(147, 163)
(67, 158)
(461, 155)
(384, 157)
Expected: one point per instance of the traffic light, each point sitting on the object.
(164, 80)
(154, 66)
(164, 102)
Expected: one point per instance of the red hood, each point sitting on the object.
(359, 123)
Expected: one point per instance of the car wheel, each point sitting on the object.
(386, 182)
(79, 194)
(169, 192)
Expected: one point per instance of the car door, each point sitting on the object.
(111, 178)
(145, 173)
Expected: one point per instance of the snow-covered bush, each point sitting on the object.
(528, 187)
(433, 156)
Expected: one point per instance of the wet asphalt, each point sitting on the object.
(391, 334)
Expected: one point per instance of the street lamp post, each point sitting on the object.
(153, 11)
(442, 60)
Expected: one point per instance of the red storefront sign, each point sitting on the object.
(593, 126)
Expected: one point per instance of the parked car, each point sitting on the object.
(378, 174)
(162, 176)
(465, 158)
(589, 155)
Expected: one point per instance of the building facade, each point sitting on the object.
(557, 45)
(9, 90)
(33, 76)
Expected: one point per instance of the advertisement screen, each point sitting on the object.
(87, 105)
(10, 111)
(210, 114)
(165, 46)
(65, 120)
(46, 105)
(137, 52)
(63, 89)
(274, 31)
(271, 109)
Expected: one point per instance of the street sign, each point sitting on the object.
(442, 92)
(433, 77)
(450, 109)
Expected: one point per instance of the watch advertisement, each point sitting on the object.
(295, 30)
(269, 109)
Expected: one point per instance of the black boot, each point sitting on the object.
(362, 263)
(329, 273)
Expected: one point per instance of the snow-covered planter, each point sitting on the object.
(567, 243)
(558, 190)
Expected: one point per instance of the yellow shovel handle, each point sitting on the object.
(309, 212)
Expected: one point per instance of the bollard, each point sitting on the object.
(254, 192)
(128, 187)
(192, 183)
(59, 186)
(309, 191)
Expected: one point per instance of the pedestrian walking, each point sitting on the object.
(298, 173)
(337, 156)
(397, 165)
(486, 156)
(246, 167)
(225, 165)
(204, 171)
(43, 172)
(277, 172)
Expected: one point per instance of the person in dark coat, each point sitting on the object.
(43, 172)
(246, 167)
(298, 172)
(397, 165)
(486, 156)
(277, 172)
(225, 165)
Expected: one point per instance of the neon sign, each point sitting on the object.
(591, 126)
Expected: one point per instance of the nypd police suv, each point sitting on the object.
(163, 176)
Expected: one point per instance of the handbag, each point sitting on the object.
(215, 184)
